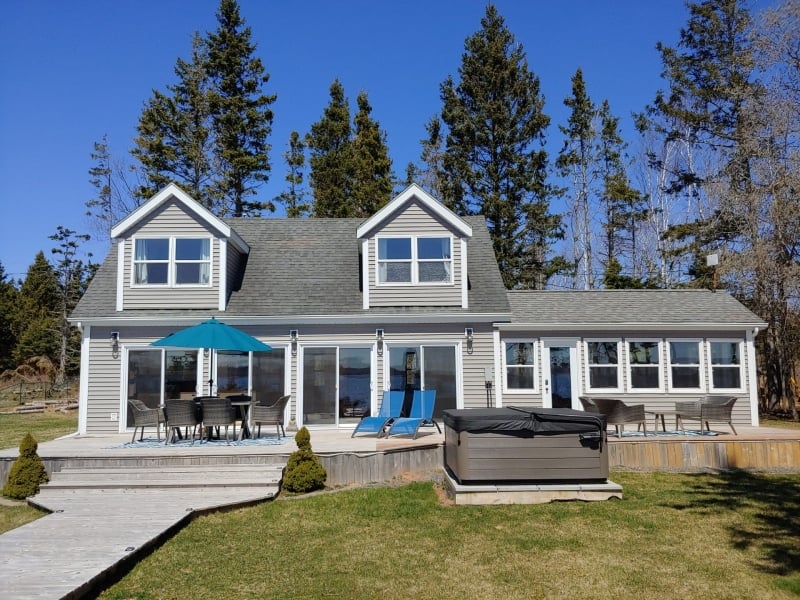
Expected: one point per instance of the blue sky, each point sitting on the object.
(71, 72)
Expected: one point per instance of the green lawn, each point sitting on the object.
(734, 535)
(42, 426)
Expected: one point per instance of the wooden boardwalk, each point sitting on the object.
(104, 520)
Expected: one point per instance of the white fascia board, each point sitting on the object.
(120, 275)
(464, 275)
(222, 273)
(664, 327)
(194, 207)
(365, 273)
(414, 191)
(176, 320)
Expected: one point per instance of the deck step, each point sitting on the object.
(170, 477)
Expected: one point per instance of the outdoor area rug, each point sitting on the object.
(149, 442)
(674, 433)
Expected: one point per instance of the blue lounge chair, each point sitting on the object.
(421, 414)
(391, 404)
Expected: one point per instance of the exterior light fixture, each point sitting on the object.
(469, 334)
(379, 336)
(113, 340)
(293, 339)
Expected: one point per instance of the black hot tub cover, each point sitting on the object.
(531, 420)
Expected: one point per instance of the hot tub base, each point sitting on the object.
(526, 493)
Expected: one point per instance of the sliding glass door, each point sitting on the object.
(337, 384)
(425, 367)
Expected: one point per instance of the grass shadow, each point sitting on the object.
(768, 515)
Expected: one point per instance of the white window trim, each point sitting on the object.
(701, 351)
(710, 365)
(587, 366)
(414, 260)
(536, 366)
(172, 262)
(629, 366)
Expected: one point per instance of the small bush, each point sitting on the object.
(27, 473)
(304, 473)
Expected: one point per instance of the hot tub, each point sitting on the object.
(525, 445)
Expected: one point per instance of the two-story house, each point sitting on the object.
(410, 298)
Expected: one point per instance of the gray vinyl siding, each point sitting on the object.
(171, 220)
(235, 270)
(103, 388)
(414, 220)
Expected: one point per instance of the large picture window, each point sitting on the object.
(172, 261)
(644, 362)
(603, 360)
(415, 260)
(726, 366)
(684, 365)
(520, 366)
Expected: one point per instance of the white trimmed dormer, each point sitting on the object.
(174, 253)
(414, 253)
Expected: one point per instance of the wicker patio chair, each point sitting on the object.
(269, 415)
(709, 408)
(144, 416)
(218, 412)
(180, 413)
(617, 413)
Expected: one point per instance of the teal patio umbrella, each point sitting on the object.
(214, 335)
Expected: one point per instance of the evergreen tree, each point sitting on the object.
(9, 300)
(577, 161)
(431, 176)
(623, 207)
(174, 138)
(73, 277)
(241, 114)
(331, 158)
(208, 132)
(36, 320)
(294, 198)
(372, 167)
(495, 163)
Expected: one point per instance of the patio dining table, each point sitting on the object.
(659, 414)
(243, 406)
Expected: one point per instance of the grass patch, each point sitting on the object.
(732, 535)
(43, 427)
(17, 514)
(784, 423)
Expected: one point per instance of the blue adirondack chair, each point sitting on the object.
(391, 404)
(421, 414)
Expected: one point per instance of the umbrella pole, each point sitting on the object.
(210, 371)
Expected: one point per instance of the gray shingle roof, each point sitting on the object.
(308, 267)
(629, 307)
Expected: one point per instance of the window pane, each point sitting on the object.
(188, 273)
(519, 353)
(724, 353)
(181, 373)
(151, 273)
(603, 353)
(192, 249)
(394, 248)
(684, 353)
(519, 378)
(644, 377)
(268, 374)
(433, 272)
(686, 377)
(433, 248)
(232, 372)
(152, 249)
(643, 353)
(726, 377)
(144, 376)
(603, 377)
(395, 272)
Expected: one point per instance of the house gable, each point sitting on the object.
(174, 253)
(414, 253)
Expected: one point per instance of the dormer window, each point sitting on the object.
(414, 260)
(172, 261)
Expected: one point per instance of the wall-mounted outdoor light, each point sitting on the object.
(114, 341)
(293, 340)
(379, 336)
(469, 333)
